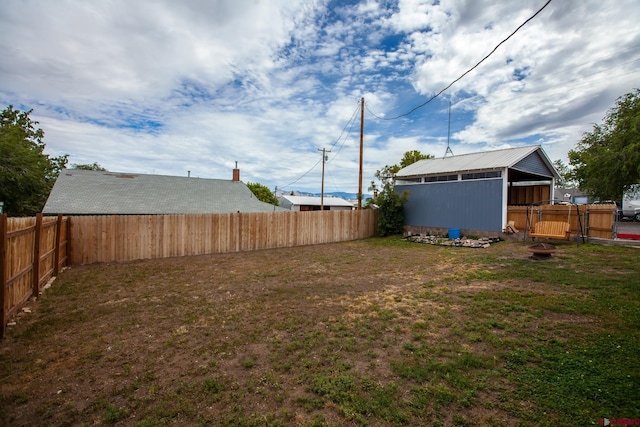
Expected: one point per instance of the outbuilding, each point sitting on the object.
(314, 203)
(472, 191)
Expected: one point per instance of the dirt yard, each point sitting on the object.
(374, 332)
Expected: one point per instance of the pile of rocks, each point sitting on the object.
(483, 242)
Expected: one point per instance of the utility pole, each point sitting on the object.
(361, 150)
(324, 159)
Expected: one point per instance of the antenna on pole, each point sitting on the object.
(448, 151)
(324, 159)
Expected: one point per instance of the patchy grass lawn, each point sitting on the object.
(379, 332)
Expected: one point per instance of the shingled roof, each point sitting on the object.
(81, 192)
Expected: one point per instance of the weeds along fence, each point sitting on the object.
(32, 250)
(597, 221)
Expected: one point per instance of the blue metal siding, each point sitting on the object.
(473, 204)
(534, 164)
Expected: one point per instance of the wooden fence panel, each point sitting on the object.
(32, 251)
(3, 273)
(595, 220)
(600, 220)
(19, 262)
(47, 250)
(131, 237)
(517, 214)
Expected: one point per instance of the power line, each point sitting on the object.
(348, 124)
(303, 175)
(353, 121)
(466, 72)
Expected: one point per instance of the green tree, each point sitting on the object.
(95, 166)
(389, 202)
(26, 172)
(387, 175)
(410, 157)
(566, 175)
(263, 193)
(390, 210)
(606, 161)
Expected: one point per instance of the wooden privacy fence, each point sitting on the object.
(32, 250)
(596, 220)
(131, 237)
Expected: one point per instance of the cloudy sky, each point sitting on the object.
(166, 87)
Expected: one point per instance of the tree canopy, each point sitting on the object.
(410, 157)
(389, 202)
(26, 172)
(95, 166)
(263, 193)
(566, 175)
(388, 173)
(606, 161)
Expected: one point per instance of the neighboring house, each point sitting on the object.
(81, 192)
(472, 191)
(312, 203)
(572, 195)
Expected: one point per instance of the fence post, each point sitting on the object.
(56, 253)
(36, 256)
(3, 272)
(68, 247)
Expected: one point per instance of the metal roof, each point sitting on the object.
(315, 201)
(488, 160)
(81, 192)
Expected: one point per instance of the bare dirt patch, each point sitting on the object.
(283, 337)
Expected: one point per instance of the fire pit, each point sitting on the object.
(541, 250)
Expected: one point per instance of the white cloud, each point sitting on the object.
(556, 56)
(166, 87)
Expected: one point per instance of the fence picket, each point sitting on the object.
(3, 272)
(31, 251)
(130, 237)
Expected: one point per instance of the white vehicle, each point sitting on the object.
(631, 203)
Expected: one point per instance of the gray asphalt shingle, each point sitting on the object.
(79, 192)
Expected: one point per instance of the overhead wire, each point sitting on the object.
(466, 72)
(331, 179)
(349, 124)
(352, 119)
(302, 176)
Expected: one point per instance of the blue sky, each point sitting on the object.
(166, 87)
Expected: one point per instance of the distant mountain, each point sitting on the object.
(348, 196)
(340, 194)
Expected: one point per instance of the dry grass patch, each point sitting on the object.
(378, 332)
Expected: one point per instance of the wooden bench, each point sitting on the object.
(551, 230)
